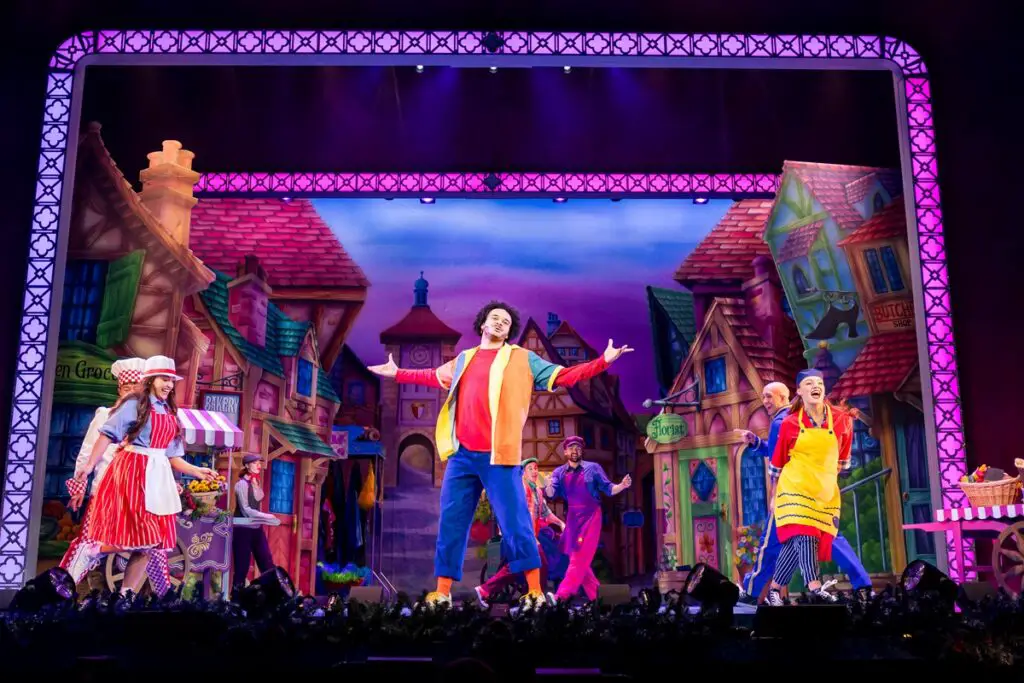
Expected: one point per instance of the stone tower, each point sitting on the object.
(409, 413)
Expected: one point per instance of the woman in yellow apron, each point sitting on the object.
(813, 447)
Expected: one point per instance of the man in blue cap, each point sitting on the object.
(775, 398)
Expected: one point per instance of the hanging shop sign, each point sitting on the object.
(666, 428)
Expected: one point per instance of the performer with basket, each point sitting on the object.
(137, 500)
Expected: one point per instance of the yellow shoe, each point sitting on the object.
(435, 599)
(532, 600)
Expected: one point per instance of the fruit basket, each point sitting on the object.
(983, 489)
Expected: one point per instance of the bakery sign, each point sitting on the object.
(893, 314)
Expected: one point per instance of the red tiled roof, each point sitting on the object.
(770, 366)
(728, 251)
(292, 241)
(798, 242)
(419, 323)
(889, 223)
(828, 183)
(881, 367)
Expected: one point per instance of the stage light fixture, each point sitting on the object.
(567, 69)
(419, 68)
(700, 200)
(427, 200)
(921, 577)
(716, 594)
(559, 200)
(493, 69)
(267, 592)
(53, 587)
(650, 598)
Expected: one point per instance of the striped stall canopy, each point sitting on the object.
(208, 429)
(968, 514)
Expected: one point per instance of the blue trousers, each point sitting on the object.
(467, 475)
(842, 553)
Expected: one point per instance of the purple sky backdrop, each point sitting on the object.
(588, 261)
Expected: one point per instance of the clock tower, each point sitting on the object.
(409, 412)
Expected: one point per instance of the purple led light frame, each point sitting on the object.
(23, 474)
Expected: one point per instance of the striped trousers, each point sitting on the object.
(799, 551)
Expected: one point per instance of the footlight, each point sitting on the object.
(716, 594)
(53, 587)
(921, 578)
(269, 591)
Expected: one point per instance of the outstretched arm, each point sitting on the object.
(548, 376)
(435, 378)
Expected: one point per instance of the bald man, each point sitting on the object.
(775, 399)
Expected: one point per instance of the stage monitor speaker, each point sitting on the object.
(975, 591)
(366, 594)
(614, 594)
(810, 622)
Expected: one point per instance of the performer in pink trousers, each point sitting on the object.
(581, 484)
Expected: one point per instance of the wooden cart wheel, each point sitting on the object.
(178, 559)
(1008, 559)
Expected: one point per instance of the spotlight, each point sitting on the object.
(419, 68)
(493, 69)
(53, 587)
(650, 598)
(269, 591)
(559, 200)
(426, 200)
(700, 200)
(716, 594)
(616, 199)
(567, 69)
(921, 578)
(286, 199)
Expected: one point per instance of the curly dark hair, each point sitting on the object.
(481, 318)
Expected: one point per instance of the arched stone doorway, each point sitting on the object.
(416, 459)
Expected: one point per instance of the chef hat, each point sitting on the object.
(809, 372)
(128, 370)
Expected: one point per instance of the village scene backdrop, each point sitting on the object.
(273, 308)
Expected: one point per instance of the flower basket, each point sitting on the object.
(205, 502)
(984, 493)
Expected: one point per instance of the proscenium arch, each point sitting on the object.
(34, 372)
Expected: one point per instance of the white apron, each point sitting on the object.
(162, 496)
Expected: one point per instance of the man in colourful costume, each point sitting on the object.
(479, 436)
(541, 516)
(775, 399)
(581, 484)
(814, 444)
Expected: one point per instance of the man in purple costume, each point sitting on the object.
(581, 485)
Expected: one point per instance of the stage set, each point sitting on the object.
(775, 340)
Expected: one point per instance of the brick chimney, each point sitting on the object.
(167, 188)
(763, 295)
(248, 298)
(553, 323)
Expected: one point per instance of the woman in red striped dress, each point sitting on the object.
(137, 500)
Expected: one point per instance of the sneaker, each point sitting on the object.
(481, 597)
(532, 600)
(435, 600)
(822, 595)
(775, 599)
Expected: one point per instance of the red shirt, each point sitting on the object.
(472, 410)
